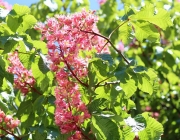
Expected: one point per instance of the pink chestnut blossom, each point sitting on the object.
(66, 40)
(7, 121)
(24, 79)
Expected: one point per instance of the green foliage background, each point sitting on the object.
(149, 83)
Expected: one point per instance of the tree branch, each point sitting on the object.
(11, 133)
(106, 38)
(74, 75)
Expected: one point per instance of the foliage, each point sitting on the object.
(65, 77)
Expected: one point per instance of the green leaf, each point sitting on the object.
(28, 120)
(24, 107)
(145, 30)
(25, 59)
(36, 71)
(95, 105)
(9, 46)
(161, 18)
(2, 63)
(105, 129)
(129, 87)
(169, 59)
(38, 102)
(125, 33)
(39, 136)
(98, 71)
(103, 92)
(37, 44)
(128, 134)
(28, 22)
(153, 131)
(21, 10)
(106, 57)
(144, 84)
(42, 66)
(131, 105)
(3, 106)
(12, 23)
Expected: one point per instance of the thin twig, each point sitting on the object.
(11, 133)
(109, 83)
(117, 28)
(106, 38)
(35, 90)
(74, 75)
(97, 85)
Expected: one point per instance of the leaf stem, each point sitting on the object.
(97, 85)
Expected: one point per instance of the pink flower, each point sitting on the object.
(120, 46)
(101, 2)
(67, 46)
(23, 78)
(7, 121)
(7, 118)
(5, 5)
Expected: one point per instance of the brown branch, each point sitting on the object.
(104, 46)
(97, 85)
(11, 133)
(35, 90)
(74, 75)
(106, 38)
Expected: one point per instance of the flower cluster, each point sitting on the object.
(7, 122)
(67, 40)
(23, 78)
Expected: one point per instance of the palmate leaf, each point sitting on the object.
(105, 129)
(145, 30)
(153, 131)
(129, 87)
(98, 71)
(144, 84)
(146, 79)
(25, 60)
(125, 33)
(161, 18)
(128, 134)
(39, 136)
(28, 22)
(13, 23)
(21, 10)
(145, 126)
(128, 84)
